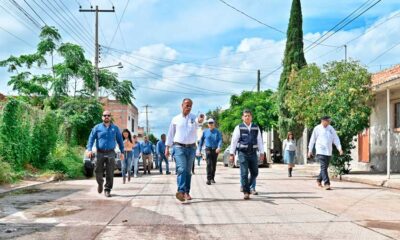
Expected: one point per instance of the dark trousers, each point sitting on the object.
(211, 157)
(324, 163)
(248, 162)
(106, 160)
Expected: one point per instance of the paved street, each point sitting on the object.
(146, 209)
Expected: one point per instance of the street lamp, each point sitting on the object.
(119, 65)
(96, 76)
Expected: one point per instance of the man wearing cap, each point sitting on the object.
(182, 135)
(247, 140)
(323, 137)
(212, 138)
(106, 135)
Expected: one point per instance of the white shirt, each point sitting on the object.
(323, 138)
(183, 129)
(236, 136)
(289, 145)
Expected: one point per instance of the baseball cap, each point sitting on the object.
(210, 120)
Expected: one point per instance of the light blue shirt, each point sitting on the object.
(147, 147)
(160, 149)
(137, 150)
(106, 138)
(211, 138)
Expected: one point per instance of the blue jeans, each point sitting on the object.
(156, 162)
(248, 162)
(324, 162)
(184, 157)
(135, 165)
(127, 163)
(162, 158)
(199, 159)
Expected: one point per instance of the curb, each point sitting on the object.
(5, 192)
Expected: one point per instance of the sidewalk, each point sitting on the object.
(375, 179)
(23, 184)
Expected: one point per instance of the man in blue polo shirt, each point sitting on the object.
(106, 135)
(212, 138)
(147, 151)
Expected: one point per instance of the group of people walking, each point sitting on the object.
(246, 143)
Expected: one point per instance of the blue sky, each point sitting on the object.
(200, 47)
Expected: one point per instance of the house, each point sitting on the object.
(124, 116)
(378, 148)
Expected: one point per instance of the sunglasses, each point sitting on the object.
(106, 115)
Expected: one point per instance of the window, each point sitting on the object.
(133, 125)
(397, 116)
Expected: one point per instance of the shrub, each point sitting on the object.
(67, 160)
(7, 175)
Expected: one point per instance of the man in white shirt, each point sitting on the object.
(247, 140)
(182, 134)
(323, 137)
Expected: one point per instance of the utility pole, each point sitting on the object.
(258, 80)
(147, 106)
(345, 53)
(96, 44)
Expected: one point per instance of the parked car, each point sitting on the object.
(227, 163)
(89, 164)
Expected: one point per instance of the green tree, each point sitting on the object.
(215, 114)
(153, 138)
(262, 104)
(340, 90)
(293, 58)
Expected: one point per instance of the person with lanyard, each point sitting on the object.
(182, 135)
(212, 139)
(289, 150)
(160, 149)
(323, 137)
(147, 151)
(247, 140)
(136, 155)
(106, 135)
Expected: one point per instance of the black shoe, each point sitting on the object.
(168, 173)
(148, 172)
(208, 182)
(100, 188)
(107, 193)
(212, 181)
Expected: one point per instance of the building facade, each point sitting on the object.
(378, 148)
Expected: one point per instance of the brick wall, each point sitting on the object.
(122, 114)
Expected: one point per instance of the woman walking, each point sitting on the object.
(127, 163)
(289, 149)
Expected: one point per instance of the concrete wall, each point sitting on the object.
(378, 138)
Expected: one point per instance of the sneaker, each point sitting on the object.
(212, 181)
(135, 176)
(100, 188)
(246, 196)
(208, 182)
(188, 197)
(107, 193)
(254, 192)
(327, 187)
(180, 196)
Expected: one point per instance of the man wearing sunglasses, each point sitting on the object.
(107, 135)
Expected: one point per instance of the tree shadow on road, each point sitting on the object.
(269, 200)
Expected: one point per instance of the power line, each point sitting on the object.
(66, 22)
(179, 92)
(19, 19)
(41, 19)
(32, 19)
(22, 40)
(383, 53)
(118, 25)
(264, 24)
(329, 34)
(74, 19)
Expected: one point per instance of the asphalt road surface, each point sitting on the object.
(146, 208)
